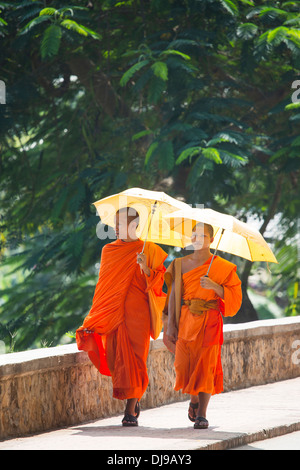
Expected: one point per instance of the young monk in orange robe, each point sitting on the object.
(194, 331)
(116, 332)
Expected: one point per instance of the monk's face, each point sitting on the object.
(201, 238)
(125, 227)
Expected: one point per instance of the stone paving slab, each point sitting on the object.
(236, 418)
(290, 441)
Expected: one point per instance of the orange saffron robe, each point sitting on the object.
(200, 337)
(120, 315)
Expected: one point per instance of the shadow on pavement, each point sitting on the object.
(155, 433)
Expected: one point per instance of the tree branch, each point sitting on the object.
(99, 84)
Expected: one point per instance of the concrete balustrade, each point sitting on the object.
(55, 387)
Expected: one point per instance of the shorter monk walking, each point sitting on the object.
(193, 325)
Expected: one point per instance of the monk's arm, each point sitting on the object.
(232, 294)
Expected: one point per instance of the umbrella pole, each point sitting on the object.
(215, 252)
(150, 221)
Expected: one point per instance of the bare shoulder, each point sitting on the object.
(186, 262)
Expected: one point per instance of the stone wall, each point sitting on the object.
(50, 388)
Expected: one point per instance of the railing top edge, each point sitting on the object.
(68, 354)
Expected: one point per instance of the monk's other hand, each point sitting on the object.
(171, 345)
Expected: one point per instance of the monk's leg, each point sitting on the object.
(201, 421)
(131, 413)
(203, 403)
(130, 407)
(202, 400)
(193, 407)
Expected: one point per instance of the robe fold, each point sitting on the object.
(200, 337)
(126, 304)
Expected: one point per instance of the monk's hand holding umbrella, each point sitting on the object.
(207, 283)
(142, 261)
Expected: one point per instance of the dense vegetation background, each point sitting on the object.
(185, 96)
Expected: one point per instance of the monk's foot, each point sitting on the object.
(201, 423)
(192, 413)
(129, 419)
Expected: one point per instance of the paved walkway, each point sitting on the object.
(236, 418)
(290, 441)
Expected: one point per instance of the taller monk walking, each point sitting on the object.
(193, 320)
(116, 332)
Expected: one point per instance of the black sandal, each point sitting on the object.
(137, 409)
(194, 406)
(201, 423)
(130, 420)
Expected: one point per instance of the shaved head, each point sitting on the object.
(131, 214)
(126, 221)
(207, 226)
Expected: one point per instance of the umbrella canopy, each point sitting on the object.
(230, 234)
(152, 206)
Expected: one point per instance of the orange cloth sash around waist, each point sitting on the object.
(199, 306)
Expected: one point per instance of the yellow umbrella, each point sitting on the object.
(151, 206)
(230, 234)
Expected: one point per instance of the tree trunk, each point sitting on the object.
(247, 311)
(100, 87)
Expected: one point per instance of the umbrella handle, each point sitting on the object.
(150, 221)
(215, 252)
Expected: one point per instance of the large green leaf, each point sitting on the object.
(247, 31)
(130, 72)
(160, 70)
(230, 6)
(79, 28)
(33, 23)
(48, 12)
(51, 41)
(188, 153)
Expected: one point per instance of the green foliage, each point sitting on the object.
(51, 41)
(130, 72)
(122, 94)
(52, 35)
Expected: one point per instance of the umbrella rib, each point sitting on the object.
(150, 221)
(223, 230)
(249, 249)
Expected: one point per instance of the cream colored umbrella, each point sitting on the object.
(230, 234)
(152, 206)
